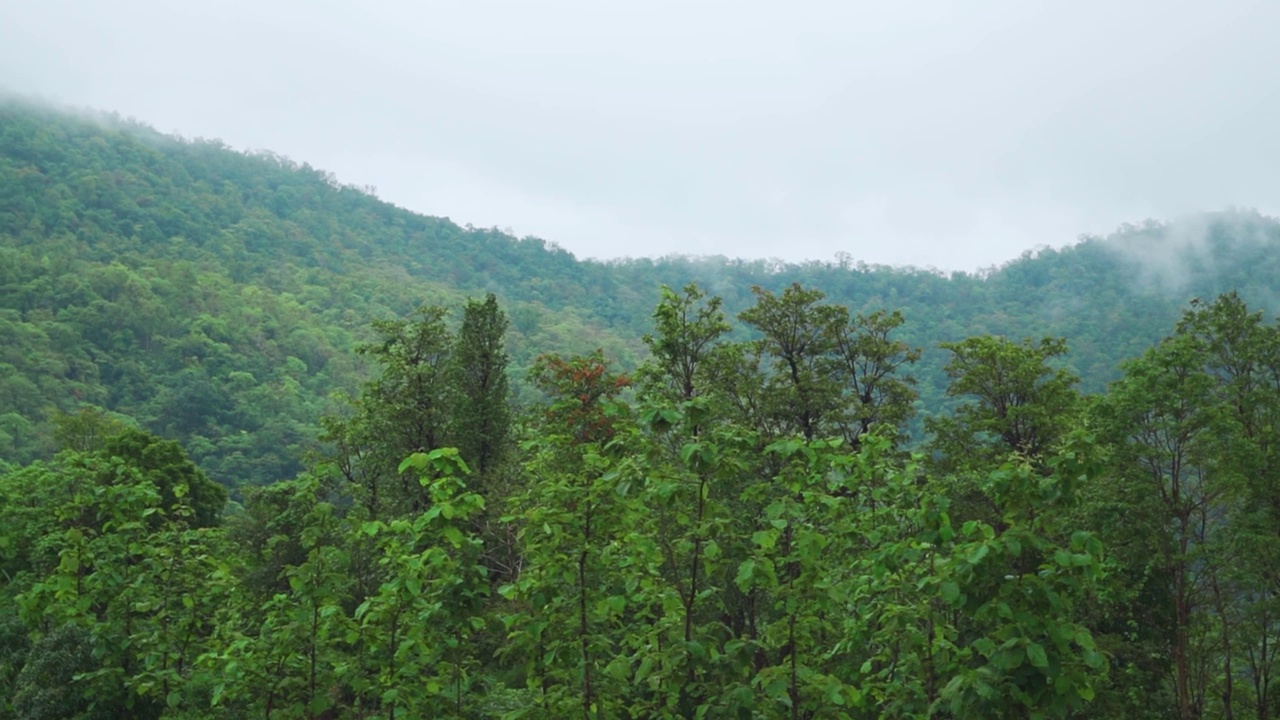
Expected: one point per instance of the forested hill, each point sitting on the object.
(216, 297)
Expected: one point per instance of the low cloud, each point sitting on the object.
(921, 132)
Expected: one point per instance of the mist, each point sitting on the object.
(934, 134)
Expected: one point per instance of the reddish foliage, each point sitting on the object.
(578, 387)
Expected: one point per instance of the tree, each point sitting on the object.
(135, 573)
(164, 464)
(282, 637)
(688, 331)
(407, 409)
(827, 373)
(876, 393)
(1019, 404)
(482, 420)
(1162, 415)
(419, 625)
(799, 336)
(1017, 586)
(574, 518)
(1193, 424)
(46, 687)
(87, 430)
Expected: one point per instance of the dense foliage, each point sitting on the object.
(216, 297)
(757, 500)
(739, 529)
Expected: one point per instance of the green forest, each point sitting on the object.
(273, 448)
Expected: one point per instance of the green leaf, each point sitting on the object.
(765, 539)
(1013, 545)
(646, 667)
(950, 592)
(977, 554)
(453, 535)
(618, 668)
(416, 460)
(362, 609)
(1036, 654)
(1008, 659)
(711, 550)
(1084, 639)
(746, 572)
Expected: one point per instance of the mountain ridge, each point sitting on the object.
(154, 275)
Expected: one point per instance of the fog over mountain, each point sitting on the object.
(932, 133)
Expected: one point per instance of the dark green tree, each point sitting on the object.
(573, 519)
(482, 420)
(1193, 424)
(1159, 417)
(800, 339)
(687, 338)
(164, 464)
(1018, 403)
(827, 373)
(408, 408)
(877, 391)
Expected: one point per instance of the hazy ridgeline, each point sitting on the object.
(216, 297)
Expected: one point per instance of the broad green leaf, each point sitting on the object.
(1036, 655)
(746, 573)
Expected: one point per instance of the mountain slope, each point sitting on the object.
(216, 296)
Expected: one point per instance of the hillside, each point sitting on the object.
(216, 297)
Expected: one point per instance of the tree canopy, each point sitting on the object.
(274, 448)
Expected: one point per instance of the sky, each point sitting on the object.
(952, 135)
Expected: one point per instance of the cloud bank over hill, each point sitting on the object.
(921, 133)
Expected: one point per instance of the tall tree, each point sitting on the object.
(482, 418)
(1018, 403)
(1161, 414)
(574, 514)
(1242, 354)
(799, 338)
(689, 328)
(407, 409)
(695, 465)
(877, 391)
(1193, 422)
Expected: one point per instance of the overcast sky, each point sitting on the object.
(945, 134)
